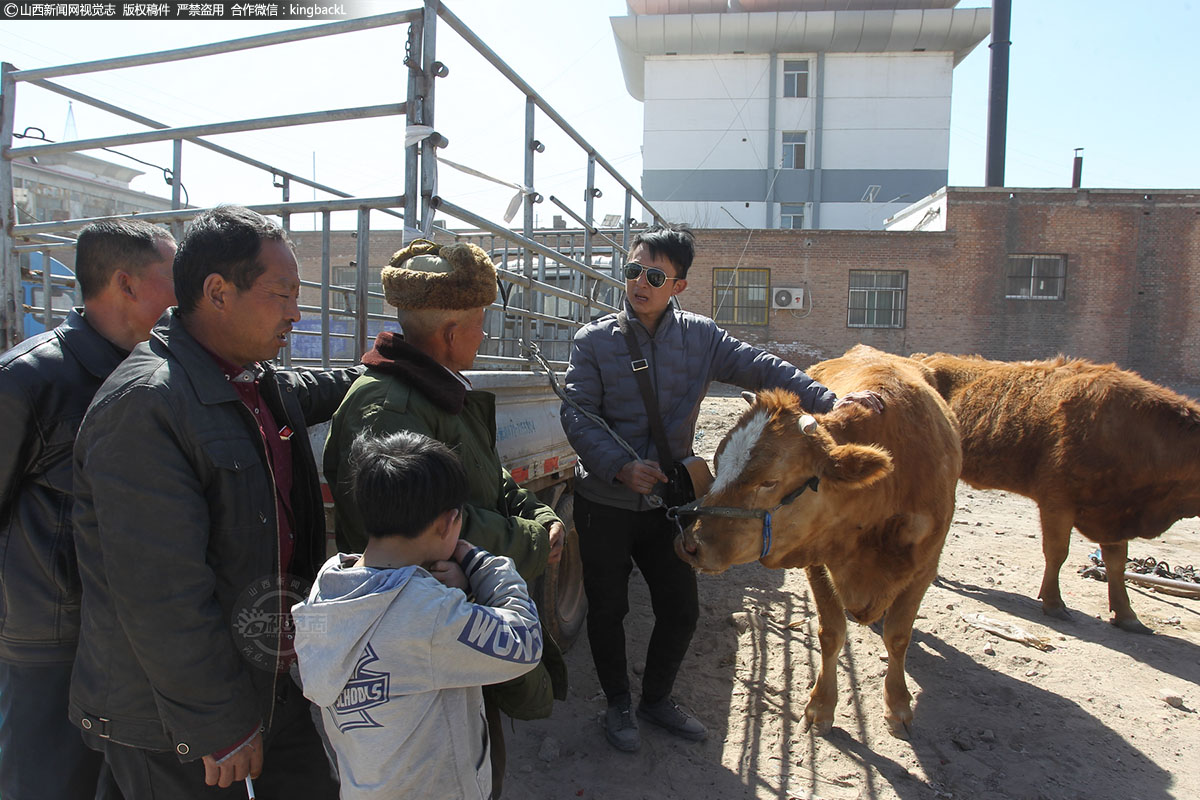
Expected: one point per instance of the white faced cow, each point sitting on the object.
(861, 500)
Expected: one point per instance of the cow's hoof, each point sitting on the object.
(1132, 625)
(1058, 612)
(816, 726)
(820, 728)
(900, 728)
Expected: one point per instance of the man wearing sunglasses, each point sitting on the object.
(683, 354)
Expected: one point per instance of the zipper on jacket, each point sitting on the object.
(278, 555)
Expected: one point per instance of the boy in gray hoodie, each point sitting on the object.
(390, 646)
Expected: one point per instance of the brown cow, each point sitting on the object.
(869, 536)
(1098, 448)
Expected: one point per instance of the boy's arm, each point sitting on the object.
(496, 638)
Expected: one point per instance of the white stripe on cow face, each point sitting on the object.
(736, 454)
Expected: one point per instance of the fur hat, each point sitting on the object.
(425, 275)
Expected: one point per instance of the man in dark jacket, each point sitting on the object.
(682, 353)
(198, 522)
(123, 268)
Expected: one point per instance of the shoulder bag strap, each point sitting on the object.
(641, 371)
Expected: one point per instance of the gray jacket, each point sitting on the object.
(686, 354)
(396, 660)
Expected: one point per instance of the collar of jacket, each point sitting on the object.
(98, 355)
(209, 381)
(392, 355)
(668, 320)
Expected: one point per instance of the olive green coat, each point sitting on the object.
(405, 390)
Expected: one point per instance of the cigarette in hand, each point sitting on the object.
(249, 788)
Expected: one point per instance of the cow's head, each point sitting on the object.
(774, 450)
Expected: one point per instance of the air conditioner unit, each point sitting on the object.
(782, 297)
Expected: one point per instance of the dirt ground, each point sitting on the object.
(1099, 714)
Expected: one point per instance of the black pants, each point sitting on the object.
(294, 762)
(42, 755)
(611, 540)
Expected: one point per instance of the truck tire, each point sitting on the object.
(563, 604)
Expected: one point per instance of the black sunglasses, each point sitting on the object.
(654, 276)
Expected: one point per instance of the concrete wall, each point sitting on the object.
(709, 143)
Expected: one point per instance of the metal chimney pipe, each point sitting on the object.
(998, 92)
(1077, 175)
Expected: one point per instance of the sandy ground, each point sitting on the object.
(995, 718)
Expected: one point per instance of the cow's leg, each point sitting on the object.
(831, 630)
(897, 633)
(1115, 556)
(1056, 543)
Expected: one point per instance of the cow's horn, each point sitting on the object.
(808, 424)
(749, 397)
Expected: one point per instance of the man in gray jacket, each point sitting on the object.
(683, 353)
(198, 522)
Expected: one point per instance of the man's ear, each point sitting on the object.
(124, 283)
(680, 285)
(215, 290)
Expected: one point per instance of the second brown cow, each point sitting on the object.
(1098, 448)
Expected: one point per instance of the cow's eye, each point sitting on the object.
(768, 484)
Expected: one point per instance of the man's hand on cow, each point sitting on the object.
(558, 535)
(872, 401)
(641, 476)
(242, 763)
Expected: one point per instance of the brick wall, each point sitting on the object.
(1133, 268)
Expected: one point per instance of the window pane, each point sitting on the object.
(740, 297)
(1041, 277)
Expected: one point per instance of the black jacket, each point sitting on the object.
(46, 383)
(175, 521)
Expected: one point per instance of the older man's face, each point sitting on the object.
(262, 316)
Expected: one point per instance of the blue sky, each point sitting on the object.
(1116, 78)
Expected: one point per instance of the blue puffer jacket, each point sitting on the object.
(686, 354)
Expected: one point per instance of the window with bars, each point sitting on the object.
(795, 78)
(1036, 277)
(348, 276)
(877, 298)
(791, 215)
(793, 149)
(740, 296)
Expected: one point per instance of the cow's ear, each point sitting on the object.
(856, 466)
(749, 397)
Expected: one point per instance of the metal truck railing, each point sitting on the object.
(549, 286)
(551, 289)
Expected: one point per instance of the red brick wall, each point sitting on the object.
(1133, 271)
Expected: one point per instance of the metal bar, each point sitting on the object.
(484, 224)
(47, 293)
(12, 316)
(325, 277)
(590, 228)
(624, 236)
(216, 48)
(412, 153)
(237, 126)
(363, 264)
(427, 84)
(216, 148)
(177, 185)
(286, 217)
(466, 33)
(589, 205)
(531, 298)
(273, 209)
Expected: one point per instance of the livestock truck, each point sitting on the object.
(552, 280)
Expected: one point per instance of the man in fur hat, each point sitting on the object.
(415, 382)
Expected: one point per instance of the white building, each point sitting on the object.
(785, 113)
